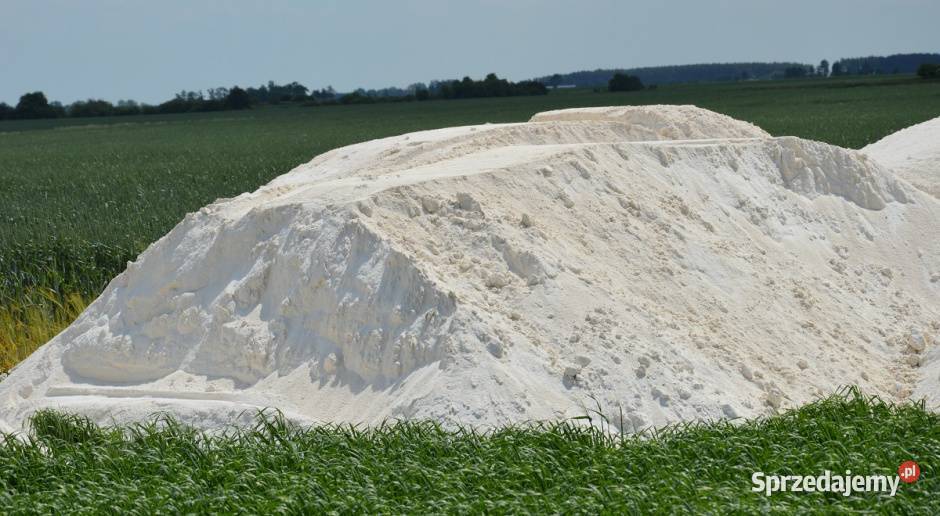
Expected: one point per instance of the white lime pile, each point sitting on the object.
(665, 263)
(913, 154)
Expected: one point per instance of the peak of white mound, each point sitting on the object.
(913, 153)
(660, 122)
(504, 273)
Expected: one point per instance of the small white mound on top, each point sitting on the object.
(666, 263)
(913, 154)
(660, 122)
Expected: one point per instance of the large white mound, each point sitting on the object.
(666, 262)
(913, 154)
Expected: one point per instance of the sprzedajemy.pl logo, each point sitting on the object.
(908, 472)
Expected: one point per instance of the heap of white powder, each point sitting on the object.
(913, 154)
(665, 263)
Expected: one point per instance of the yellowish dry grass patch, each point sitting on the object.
(25, 327)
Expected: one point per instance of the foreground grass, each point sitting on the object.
(69, 465)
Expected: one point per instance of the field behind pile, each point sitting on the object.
(81, 197)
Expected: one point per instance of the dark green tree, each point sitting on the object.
(35, 105)
(624, 82)
(237, 98)
(929, 71)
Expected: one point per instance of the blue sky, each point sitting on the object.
(148, 50)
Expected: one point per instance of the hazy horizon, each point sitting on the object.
(112, 49)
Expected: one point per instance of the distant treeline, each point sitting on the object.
(466, 88)
(717, 72)
(36, 105)
(711, 72)
(880, 65)
(491, 86)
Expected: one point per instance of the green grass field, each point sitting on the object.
(78, 198)
(70, 465)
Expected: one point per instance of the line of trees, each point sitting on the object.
(718, 72)
(872, 65)
(882, 65)
(218, 99)
(466, 88)
(802, 71)
(798, 72)
(705, 72)
(490, 86)
(36, 105)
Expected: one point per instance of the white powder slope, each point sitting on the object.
(665, 261)
(913, 154)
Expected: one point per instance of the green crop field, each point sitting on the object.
(70, 465)
(81, 197)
